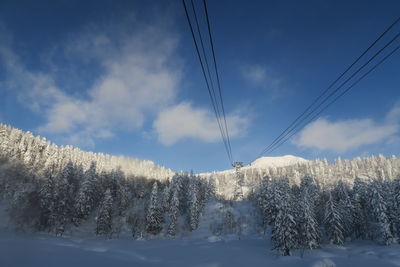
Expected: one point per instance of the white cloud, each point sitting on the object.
(135, 82)
(35, 90)
(341, 136)
(185, 121)
(139, 79)
(255, 74)
(260, 76)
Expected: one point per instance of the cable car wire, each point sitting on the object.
(337, 89)
(207, 82)
(339, 96)
(224, 128)
(295, 122)
(217, 72)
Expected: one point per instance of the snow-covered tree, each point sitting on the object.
(154, 218)
(309, 233)
(62, 199)
(87, 195)
(263, 202)
(268, 202)
(395, 210)
(173, 214)
(309, 186)
(333, 222)
(104, 219)
(379, 207)
(284, 232)
(194, 209)
(46, 195)
(359, 212)
(49, 186)
(210, 189)
(345, 208)
(166, 197)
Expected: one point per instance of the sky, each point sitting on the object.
(122, 77)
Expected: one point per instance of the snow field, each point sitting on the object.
(47, 251)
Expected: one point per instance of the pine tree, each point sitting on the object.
(360, 218)
(396, 204)
(211, 189)
(173, 214)
(46, 194)
(308, 184)
(166, 198)
(62, 205)
(379, 207)
(270, 203)
(193, 204)
(309, 233)
(119, 191)
(123, 199)
(284, 232)
(345, 208)
(263, 202)
(104, 219)
(87, 195)
(154, 218)
(333, 222)
(392, 212)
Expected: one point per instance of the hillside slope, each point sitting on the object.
(40, 154)
(65, 191)
(283, 161)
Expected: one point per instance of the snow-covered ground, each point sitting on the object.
(46, 251)
(283, 161)
(267, 162)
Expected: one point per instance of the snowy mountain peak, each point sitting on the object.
(267, 162)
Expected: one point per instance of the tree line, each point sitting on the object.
(63, 189)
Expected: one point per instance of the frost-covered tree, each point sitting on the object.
(211, 189)
(166, 198)
(396, 205)
(263, 202)
(119, 190)
(173, 214)
(333, 222)
(309, 232)
(389, 192)
(24, 208)
(62, 199)
(371, 209)
(123, 199)
(194, 209)
(379, 207)
(284, 232)
(154, 218)
(46, 194)
(104, 219)
(309, 186)
(87, 195)
(345, 208)
(359, 215)
(268, 201)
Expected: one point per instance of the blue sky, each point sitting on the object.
(122, 77)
